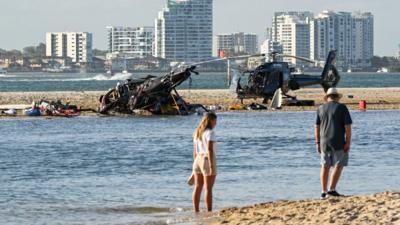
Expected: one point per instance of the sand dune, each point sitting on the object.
(382, 208)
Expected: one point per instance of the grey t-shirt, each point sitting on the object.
(332, 118)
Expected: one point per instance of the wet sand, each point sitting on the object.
(381, 208)
(376, 98)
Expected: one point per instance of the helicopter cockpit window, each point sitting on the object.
(277, 66)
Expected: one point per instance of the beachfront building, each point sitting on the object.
(268, 47)
(265, 47)
(292, 31)
(184, 31)
(331, 30)
(351, 34)
(362, 39)
(398, 54)
(76, 45)
(279, 19)
(237, 44)
(134, 42)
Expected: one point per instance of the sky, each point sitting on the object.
(25, 22)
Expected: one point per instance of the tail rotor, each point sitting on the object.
(330, 75)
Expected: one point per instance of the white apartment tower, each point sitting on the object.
(351, 34)
(293, 32)
(134, 42)
(363, 39)
(278, 19)
(269, 46)
(184, 31)
(76, 45)
(331, 30)
(237, 44)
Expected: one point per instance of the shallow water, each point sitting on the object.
(102, 82)
(133, 170)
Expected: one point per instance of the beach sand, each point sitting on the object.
(381, 208)
(376, 98)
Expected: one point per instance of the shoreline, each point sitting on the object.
(379, 208)
(222, 99)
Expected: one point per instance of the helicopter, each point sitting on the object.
(157, 95)
(273, 80)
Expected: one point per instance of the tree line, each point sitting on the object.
(38, 51)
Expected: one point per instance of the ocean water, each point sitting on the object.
(102, 82)
(133, 170)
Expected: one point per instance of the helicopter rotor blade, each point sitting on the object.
(228, 58)
(300, 58)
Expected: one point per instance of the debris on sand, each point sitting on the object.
(52, 108)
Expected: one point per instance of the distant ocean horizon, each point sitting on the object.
(37, 82)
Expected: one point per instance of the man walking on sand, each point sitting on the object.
(332, 139)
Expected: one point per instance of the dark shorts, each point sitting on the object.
(334, 158)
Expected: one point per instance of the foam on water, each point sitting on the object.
(117, 76)
(6, 75)
(121, 76)
(98, 77)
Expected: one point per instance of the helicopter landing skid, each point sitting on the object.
(293, 101)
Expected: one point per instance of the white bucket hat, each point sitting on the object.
(332, 91)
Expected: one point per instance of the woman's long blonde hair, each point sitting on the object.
(204, 124)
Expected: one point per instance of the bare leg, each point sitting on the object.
(324, 178)
(208, 185)
(337, 171)
(198, 187)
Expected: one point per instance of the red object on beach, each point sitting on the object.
(363, 105)
(221, 54)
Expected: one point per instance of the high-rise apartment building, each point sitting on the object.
(237, 44)
(136, 42)
(269, 46)
(279, 18)
(351, 34)
(293, 32)
(184, 31)
(363, 39)
(75, 45)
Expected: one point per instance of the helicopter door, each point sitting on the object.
(273, 82)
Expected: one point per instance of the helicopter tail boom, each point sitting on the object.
(330, 76)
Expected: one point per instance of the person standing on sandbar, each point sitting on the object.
(204, 165)
(332, 139)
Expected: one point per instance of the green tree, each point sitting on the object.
(29, 51)
(38, 51)
(41, 50)
(2, 52)
(14, 53)
(376, 61)
(98, 52)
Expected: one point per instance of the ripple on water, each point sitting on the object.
(121, 170)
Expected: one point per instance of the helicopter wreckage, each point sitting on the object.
(157, 95)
